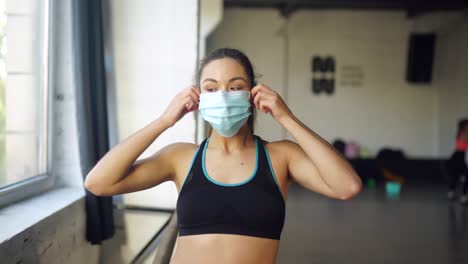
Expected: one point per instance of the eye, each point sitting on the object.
(236, 88)
(210, 89)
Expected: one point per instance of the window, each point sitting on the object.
(24, 98)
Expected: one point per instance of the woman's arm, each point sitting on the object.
(117, 172)
(338, 178)
(313, 162)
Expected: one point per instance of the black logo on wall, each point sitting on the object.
(323, 75)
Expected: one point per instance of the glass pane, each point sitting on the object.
(133, 233)
(23, 67)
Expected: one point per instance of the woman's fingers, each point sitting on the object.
(195, 107)
(191, 98)
(267, 100)
(259, 93)
(254, 93)
(264, 105)
(256, 100)
(194, 96)
(189, 102)
(185, 101)
(196, 90)
(263, 100)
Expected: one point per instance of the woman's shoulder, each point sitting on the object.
(282, 146)
(185, 146)
(277, 143)
(180, 150)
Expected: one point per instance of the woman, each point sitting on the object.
(457, 164)
(233, 187)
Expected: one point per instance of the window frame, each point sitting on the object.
(43, 182)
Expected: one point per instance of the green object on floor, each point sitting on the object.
(371, 183)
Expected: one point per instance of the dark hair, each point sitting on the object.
(461, 125)
(243, 60)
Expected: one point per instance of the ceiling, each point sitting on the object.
(412, 7)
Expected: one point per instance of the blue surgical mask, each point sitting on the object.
(226, 112)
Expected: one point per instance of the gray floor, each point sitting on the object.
(420, 226)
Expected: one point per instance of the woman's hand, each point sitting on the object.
(185, 101)
(269, 101)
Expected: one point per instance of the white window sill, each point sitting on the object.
(22, 215)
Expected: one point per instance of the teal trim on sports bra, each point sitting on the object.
(229, 184)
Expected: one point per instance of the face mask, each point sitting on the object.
(226, 112)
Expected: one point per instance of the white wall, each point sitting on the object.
(155, 47)
(384, 111)
(452, 81)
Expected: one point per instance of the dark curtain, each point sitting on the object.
(92, 115)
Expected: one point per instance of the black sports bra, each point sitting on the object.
(254, 207)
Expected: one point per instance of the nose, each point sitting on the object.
(224, 87)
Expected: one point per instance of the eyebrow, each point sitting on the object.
(231, 80)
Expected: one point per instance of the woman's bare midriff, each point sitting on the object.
(224, 248)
